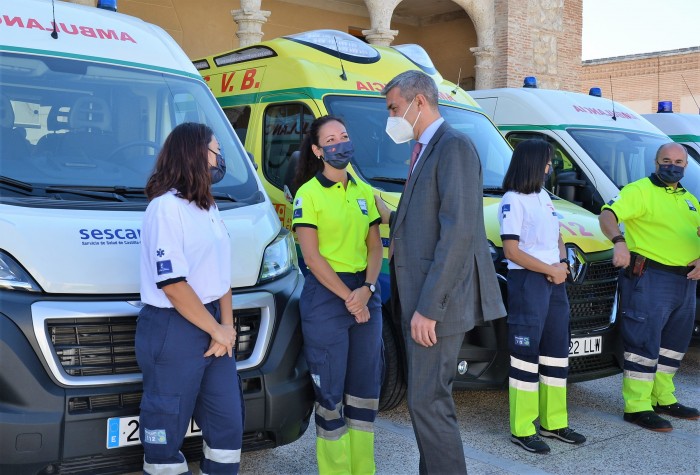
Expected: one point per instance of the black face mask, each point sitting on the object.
(670, 173)
(338, 155)
(217, 173)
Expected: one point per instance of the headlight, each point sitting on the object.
(280, 256)
(14, 277)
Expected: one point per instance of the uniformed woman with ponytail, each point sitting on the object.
(538, 307)
(337, 223)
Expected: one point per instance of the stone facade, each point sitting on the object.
(640, 81)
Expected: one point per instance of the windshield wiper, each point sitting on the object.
(22, 185)
(220, 195)
(388, 179)
(83, 192)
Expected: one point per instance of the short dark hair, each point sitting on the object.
(183, 165)
(414, 82)
(309, 164)
(526, 170)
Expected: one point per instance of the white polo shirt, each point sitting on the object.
(180, 241)
(533, 222)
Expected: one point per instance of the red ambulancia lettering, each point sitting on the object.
(32, 23)
(361, 86)
(248, 79)
(107, 35)
(13, 21)
(87, 31)
(73, 30)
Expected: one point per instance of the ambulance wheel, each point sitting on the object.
(394, 383)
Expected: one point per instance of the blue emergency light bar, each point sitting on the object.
(110, 5)
(595, 91)
(530, 81)
(665, 107)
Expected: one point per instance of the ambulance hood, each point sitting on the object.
(84, 251)
(577, 225)
(557, 109)
(89, 33)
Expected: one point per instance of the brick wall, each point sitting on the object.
(640, 81)
(538, 38)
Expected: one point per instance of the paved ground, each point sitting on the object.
(595, 409)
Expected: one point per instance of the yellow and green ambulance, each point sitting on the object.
(273, 90)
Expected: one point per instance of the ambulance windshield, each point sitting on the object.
(626, 156)
(95, 129)
(384, 164)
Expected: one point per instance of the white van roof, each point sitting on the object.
(557, 109)
(89, 33)
(676, 124)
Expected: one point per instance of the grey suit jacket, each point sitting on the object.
(442, 263)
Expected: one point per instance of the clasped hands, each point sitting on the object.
(558, 273)
(356, 303)
(223, 339)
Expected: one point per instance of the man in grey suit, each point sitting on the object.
(442, 268)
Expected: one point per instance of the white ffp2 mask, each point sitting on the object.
(399, 129)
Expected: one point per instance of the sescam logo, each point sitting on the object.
(109, 236)
(71, 29)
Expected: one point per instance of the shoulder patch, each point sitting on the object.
(297, 202)
(297, 213)
(164, 267)
(505, 208)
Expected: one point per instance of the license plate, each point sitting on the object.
(124, 431)
(592, 345)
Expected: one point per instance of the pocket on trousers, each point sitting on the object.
(318, 362)
(635, 330)
(523, 335)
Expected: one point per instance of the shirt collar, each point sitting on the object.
(328, 183)
(657, 182)
(430, 131)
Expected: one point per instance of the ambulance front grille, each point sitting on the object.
(593, 301)
(91, 343)
(104, 346)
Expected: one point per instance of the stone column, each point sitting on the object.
(481, 13)
(380, 12)
(249, 20)
(484, 71)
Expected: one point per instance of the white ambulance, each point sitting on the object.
(600, 144)
(682, 128)
(87, 97)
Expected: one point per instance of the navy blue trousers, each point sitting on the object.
(180, 383)
(345, 358)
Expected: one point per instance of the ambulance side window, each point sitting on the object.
(239, 118)
(284, 129)
(568, 180)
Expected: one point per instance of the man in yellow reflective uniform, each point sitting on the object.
(660, 257)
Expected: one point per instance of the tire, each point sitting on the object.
(394, 383)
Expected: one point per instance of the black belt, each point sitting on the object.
(679, 270)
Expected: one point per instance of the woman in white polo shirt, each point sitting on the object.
(538, 308)
(185, 334)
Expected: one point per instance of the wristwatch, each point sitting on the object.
(370, 286)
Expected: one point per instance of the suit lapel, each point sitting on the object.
(408, 191)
